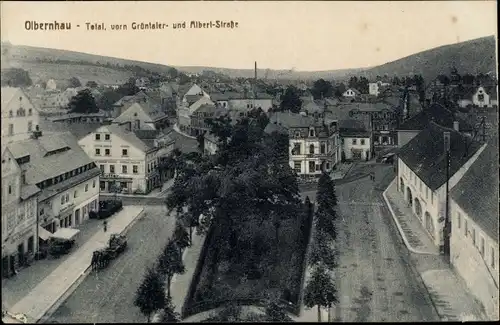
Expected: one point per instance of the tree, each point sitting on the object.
(129, 88)
(74, 82)
(108, 98)
(353, 82)
(169, 315)
(275, 312)
(181, 237)
(15, 77)
(340, 89)
(200, 138)
(320, 291)
(170, 263)
(291, 100)
(322, 252)
(91, 84)
(173, 73)
(396, 81)
(321, 89)
(326, 196)
(150, 296)
(220, 127)
(183, 79)
(83, 102)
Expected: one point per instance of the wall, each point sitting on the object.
(404, 136)
(20, 123)
(348, 145)
(478, 272)
(116, 144)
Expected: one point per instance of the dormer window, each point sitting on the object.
(311, 132)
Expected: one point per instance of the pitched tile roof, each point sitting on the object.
(477, 192)
(272, 127)
(425, 154)
(439, 115)
(45, 164)
(191, 99)
(291, 120)
(8, 94)
(130, 137)
(227, 96)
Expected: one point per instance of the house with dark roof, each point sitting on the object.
(210, 143)
(475, 223)
(128, 158)
(356, 140)
(314, 144)
(143, 113)
(351, 93)
(68, 180)
(422, 173)
(243, 101)
(199, 117)
(435, 113)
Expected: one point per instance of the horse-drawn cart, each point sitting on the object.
(102, 258)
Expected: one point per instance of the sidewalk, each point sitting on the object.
(341, 170)
(449, 295)
(181, 282)
(53, 289)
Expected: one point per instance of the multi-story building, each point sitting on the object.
(186, 110)
(67, 178)
(474, 235)
(243, 102)
(314, 144)
(143, 114)
(422, 174)
(356, 140)
(199, 118)
(19, 211)
(128, 159)
(19, 117)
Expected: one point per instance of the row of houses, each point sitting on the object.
(51, 179)
(473, 200)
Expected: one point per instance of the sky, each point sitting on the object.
(306, 36)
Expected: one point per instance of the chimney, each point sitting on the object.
(455, 126)
(255, 70)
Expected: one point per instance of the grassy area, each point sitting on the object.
(253, 269)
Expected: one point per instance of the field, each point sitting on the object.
(61, 73)
(253, 269)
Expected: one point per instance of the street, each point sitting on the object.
(374, 281)
(108, 296)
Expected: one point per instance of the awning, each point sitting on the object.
(65, 233)
(43, 233)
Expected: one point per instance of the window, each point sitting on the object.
(124, 152)
(317, 167)
(311, 148)
(459, 220)
(480, 97)
(102, 168)
(10, 189)
(362, 142)
(296, 148)
(75, 194)
(354, 141)
(11, 129)
(30, 112)
(481, 248)
(466, 228)
(420, 183)
(111, 169)
(11, 114)
(426, 193)
(311, 132)
(432, 197)
(135, 169)
(106, 152)
(297, 166)
(30, 126)
(322, 148)
(124, 169)
(93, 183)
(86, 187)
(62, 199)
(67, 197)
(473, 236)
(98, 152)
(107, 137)
(98, 137)
(312, 166)
(492, 250)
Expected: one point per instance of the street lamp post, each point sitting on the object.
(447, 223)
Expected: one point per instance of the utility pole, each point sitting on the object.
(447, 223)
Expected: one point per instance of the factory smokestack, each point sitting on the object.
(255, 70)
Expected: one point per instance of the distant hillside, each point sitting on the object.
(475, 56)
(29, 57)
(273, 74)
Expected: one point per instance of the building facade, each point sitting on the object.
(19, 209)
(127, 162)
(19, 116)
(66, 177)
